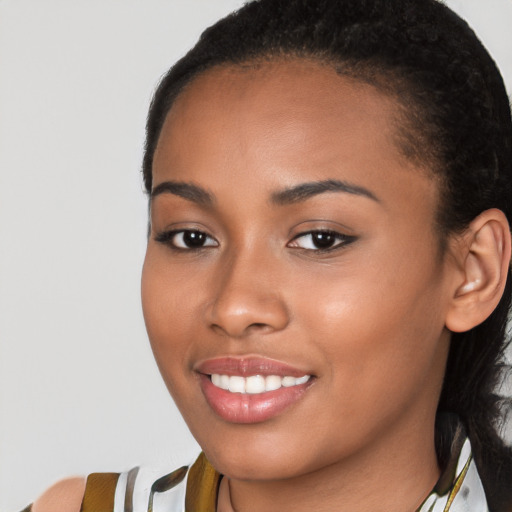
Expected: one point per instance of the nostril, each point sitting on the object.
(258, 325)
(241, 330)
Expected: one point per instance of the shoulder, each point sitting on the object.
(194, 487)
(64, 496)
(97, 492)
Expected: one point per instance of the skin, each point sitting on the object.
(366, 319)
(63, 496)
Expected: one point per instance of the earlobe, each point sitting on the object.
(485, 258)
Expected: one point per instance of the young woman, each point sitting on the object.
(327, 278)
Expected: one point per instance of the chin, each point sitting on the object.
(250, 466)
(249, 454)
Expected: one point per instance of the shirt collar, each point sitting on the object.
(459, 488)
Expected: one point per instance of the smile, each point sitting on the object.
(252, 389)
(256, 384)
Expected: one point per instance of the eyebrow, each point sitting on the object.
(305, 191)
(187, 191)
(287, 196)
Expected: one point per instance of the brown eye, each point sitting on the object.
(320, 240)
(187, 239)
(323, 240)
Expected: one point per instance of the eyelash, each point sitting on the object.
(340, 240)
(169, 238)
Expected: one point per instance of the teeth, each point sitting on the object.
(272, 382)
(255, 384)
(236, 384)
(288, 382)
(224, 382)
(301, 380)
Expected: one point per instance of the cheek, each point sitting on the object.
(380, 331)
(167, 306)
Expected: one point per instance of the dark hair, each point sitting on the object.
(455, 119)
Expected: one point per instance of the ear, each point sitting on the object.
(483, 253)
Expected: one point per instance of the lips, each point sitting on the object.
(251, 390)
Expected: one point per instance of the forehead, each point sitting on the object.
(295, 100)
(278, 123)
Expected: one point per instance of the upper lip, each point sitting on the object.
(247, 366)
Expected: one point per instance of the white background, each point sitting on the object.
(79, 391)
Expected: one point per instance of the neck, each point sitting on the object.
(394, 476)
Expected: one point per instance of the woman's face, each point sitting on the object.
(293, 256)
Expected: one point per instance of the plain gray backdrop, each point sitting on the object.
(79, 391)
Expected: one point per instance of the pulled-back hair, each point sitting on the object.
(454, 120)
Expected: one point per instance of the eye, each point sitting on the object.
(320, 240)
(186, 239)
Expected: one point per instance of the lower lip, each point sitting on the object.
(247, 408)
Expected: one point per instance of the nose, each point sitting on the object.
(247, 299)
